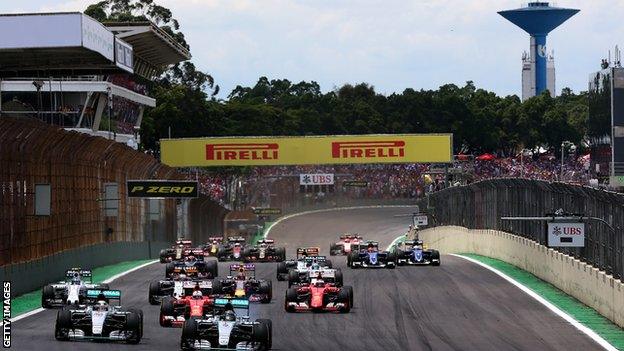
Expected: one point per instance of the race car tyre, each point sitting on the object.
(435, 254)
(134, 324)
(332, 249)
(212, 268)
(293, 277)
(221, 253)
(46, 294)
(281, 270)
(269, 324)
(63, 324)
(338, 277)
(166, 309)
(350, 290)
(345, 295)
(217, 286)
(392, 260)
(169, 269)
(291, 296)
(163, 256)
(266, 288)
(353, 257)
(189, 334)
(154, 290)
(329, 263)
(262, 335)
(280, 252)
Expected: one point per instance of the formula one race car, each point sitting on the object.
(319, 296)
(232, 250)
(73, 290)
(242, 283)
(192, 267)
(413, 252)
(101, 321)
(182, 286)
(264, 251)
(300, 263)
(225, 330)
(174, 311)
(212, 248)
(314, 268)
(369, 256)
(343, 247)
(181, 250)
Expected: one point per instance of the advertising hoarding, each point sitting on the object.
(316, 179)
(270, 151)
(162, 188)
(564, 234)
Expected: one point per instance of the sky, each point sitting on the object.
(390, 44)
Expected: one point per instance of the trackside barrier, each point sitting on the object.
(32, 275)
(586, 283)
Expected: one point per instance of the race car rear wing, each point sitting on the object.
(308, 251)
(266, 241)
(78, 272)
(316, 259)
(236, 239)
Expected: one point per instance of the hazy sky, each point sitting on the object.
(391, 44)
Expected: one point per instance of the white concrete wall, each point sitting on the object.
(584, 282)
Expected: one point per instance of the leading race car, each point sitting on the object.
(343, 246)
(225, 330)
(212, 248)
(300, 263)
(101, 322)
(319, 296)
(264, 251)
(314, 268)
(369, 256)
(191, 266)
(73, 290)
(242, 283)
(178, 288)
(414, 252)
(232, 250)
(179, 251)
(174, 311)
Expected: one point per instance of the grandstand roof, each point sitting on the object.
(65, 43)
(154, 49)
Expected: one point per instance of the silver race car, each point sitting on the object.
(70, 291)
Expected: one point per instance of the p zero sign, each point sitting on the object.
(316, 179)
(160, 189)
(566, 234)
(269, 151)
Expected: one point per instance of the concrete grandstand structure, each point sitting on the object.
(83, 75)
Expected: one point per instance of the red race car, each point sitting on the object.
(343, 247)
(319, 296)
(173, 312)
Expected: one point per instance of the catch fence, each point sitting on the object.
(481, 206)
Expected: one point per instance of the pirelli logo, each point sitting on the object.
(162, 189)
(226, 152)
(368, 149)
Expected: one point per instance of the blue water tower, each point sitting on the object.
(538, 19)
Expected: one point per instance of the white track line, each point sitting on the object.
(266, 232)
(597, 338)
(109, 280)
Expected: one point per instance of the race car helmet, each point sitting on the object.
(191, 258)
(229, 316)
(318, 283)
(75, 280)
(182, 276)
(315, 266)
(371, 247)
(197, 295)
(101, 306)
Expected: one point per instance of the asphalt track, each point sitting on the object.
(457, 306)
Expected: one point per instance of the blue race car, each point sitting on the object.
(415, 253)
(368, 255)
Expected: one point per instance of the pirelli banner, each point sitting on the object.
(269, 151)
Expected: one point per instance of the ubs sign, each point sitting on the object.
(566, 234)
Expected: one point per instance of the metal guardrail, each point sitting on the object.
(481, 206)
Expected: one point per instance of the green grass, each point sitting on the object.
(32, 300)
(260, 234)
(573, 307)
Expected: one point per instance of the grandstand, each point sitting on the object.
(82, 75)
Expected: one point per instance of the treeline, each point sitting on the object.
(480, 120)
